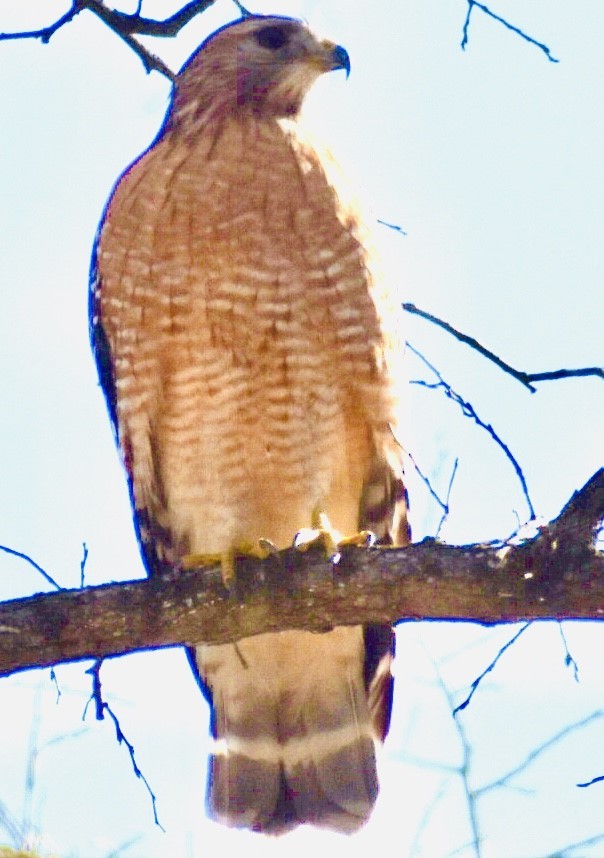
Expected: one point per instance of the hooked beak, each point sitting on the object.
(335, 57)
(340, 58)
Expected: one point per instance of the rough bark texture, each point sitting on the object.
(556, 575)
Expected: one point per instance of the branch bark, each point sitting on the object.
(556, 575)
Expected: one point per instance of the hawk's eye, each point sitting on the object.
(272, 38)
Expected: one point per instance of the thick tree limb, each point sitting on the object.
(556, 575)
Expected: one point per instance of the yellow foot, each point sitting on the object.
(261, 550)
(328, 538)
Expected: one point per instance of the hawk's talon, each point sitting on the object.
(330, 539)
(363, 539)
(267, 547)
(261, 550)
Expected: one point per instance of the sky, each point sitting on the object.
(490, 160)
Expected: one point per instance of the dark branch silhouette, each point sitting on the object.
(556, 575)
(31, 562)
(474, 687)
(568, 659)
(435, 496)
(45, 33)
(101, 709)
(528, 379)
(83, 564)
(506, 24)
(126, 26)
(446, 508)
(468, 410)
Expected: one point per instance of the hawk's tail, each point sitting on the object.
(295, 716)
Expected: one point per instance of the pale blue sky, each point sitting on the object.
(491, 160)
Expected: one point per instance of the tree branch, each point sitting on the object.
(121, 22)
(46, 33)
(528, 379)
(556, 575)
(506, 24)
(124, 26)
(468, 410)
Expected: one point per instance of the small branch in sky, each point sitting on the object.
(393, 226)
(102, 708)
(596, 780)
(488, 669)
(465, 770)
(446, 504)
(555, 374)
(525, 378)
(124, 26)
(46, 33)
(568, 848)
(55, 682)
(427, 483)
(469, 411)
(169, 27)
(534, 754)
(83, 564)
(150, 61)
(506, 24)
(568, 659)
(33, 563)
(245, 13)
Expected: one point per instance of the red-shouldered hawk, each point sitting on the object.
(251, 363)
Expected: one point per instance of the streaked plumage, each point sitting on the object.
(251, 364)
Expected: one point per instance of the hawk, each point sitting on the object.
(250, 358)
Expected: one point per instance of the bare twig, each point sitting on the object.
(55, 682)
(31, 562)
(392, 226)
(506, 24)
(245, 13)
(46, 33)
(151, 62)
(528, 379)
(568, 659)
(426, 482)
(565, 851)
(465, 768)
(595, 780)
(102, 708)
(446, 504)
(10, 823)
(556, 374)
(478, 680)
(469, 411)
(123, 847)
(534, 754)
(120, 22)
(124, 26)
(83, 564)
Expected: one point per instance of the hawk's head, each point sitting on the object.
(261, 64)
